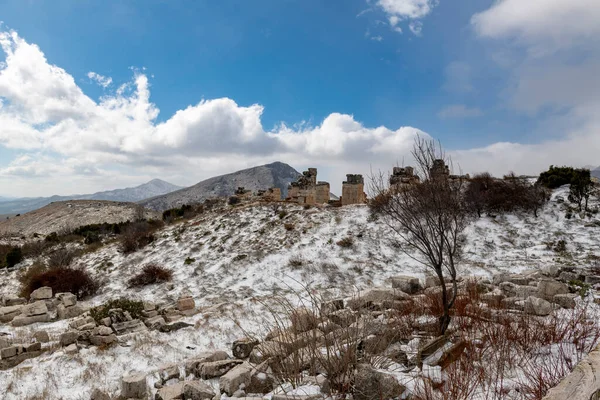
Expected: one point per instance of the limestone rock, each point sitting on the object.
(231, 381)
(41, 336)
(168, 372)
(170, 392)
(197, 390)
(9, 352)
(22, 320)
(36, 308)
(215, 369)
(98, 340)
(98, 394)
(537, 306)
(242, 348)
(31, 347)
(67, 299)
(565, 300)
(186, 303)
(407, 284)
(8, 313)
(191, 366)
(134, 386)
(132, 326)
(82, 321)
(68, 338)
(14, 301)
(370, 384)
(155, 322)
(71, 349)
(69, 312)
(549, 288)
(42, 293)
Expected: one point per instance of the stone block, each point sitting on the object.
(231, 381)
(242, 348)
(186, 303)
(67, 299)
(407, 284)
(197, 390)
(21, 320)
(68, 338)
(36, 308)
(134, 386)
(42, 293)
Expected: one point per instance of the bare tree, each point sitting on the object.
(427, 218)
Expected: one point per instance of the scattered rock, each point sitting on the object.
(303, 320)
(242, 348)
(42, 293)
(68, 338)
(231, 381)
(215, 369)
(8, 313)
(9, 352)
(71, 349)
(134, 386)
(407, 284)
(548, 288)
(170, 392)
(98, 394)
(537, 306)
(122, 328)
(67, 299)
(370, 384)
(565, 300)
(186, 303)
(197, 390)
(41, 336)
(65, 312)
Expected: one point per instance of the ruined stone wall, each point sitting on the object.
(353, 193)
(322, 191)
(353, 190)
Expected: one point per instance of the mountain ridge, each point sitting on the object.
(275, 174)
(155, 187)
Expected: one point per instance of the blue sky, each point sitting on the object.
(463, 79)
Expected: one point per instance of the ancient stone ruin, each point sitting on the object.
(272, 194)
(402, 176)
(307, 190)
(353, 190)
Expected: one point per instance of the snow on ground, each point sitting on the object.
(238, 258)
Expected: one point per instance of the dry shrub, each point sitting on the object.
(289, 226)
(60, 279)
(62, 257)
(138, 235)
(346, 242)
(151, 274)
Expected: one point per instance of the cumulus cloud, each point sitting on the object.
(66, 142)
(399, 10)
(101, 80)
(541, 25)
(459, 111)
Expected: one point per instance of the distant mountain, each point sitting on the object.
(155, 187)
(596, 172)
(72, 214)
(276, 174)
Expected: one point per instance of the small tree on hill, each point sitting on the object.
(581, 189)
(13, 257)
(427, 218)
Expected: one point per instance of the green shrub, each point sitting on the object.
(189, 261)
(134, 308)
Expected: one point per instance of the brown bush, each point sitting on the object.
(62, 257)
(60, 279)
(151, 274)
(346, 242)
(138, 235)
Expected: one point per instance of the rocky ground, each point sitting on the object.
(233, 270)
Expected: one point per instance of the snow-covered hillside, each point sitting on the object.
(231, 261)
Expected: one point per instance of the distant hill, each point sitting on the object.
(155, 187)
(596, 172)
(276, 174)
(72, 214)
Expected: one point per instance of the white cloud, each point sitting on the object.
(399, 10)
(70, 143)
(459, 111)
(103, 81)
(541, 25)
(377, 38)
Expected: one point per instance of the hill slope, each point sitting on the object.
(275, 174)
(71, 214)
(155, 187)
